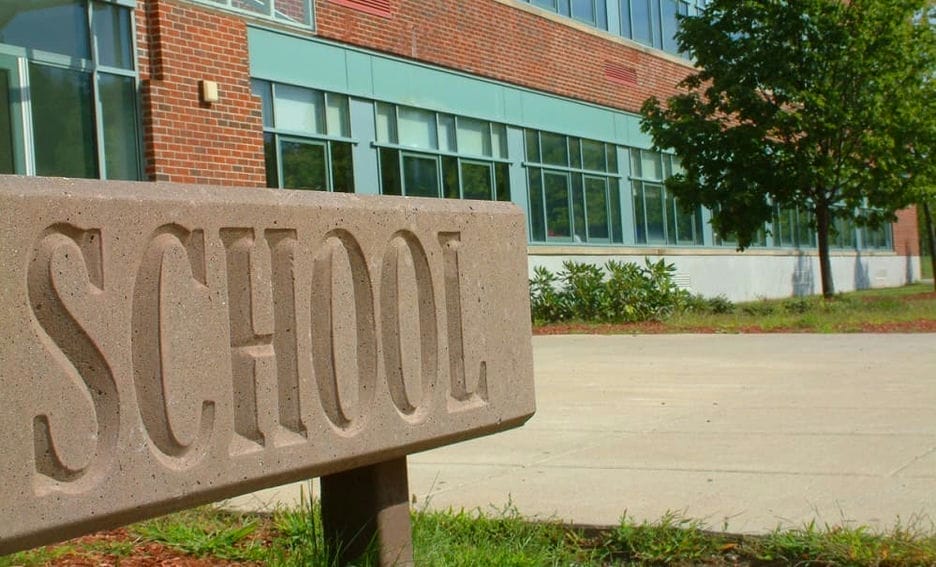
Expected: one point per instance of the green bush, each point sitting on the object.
(622, 292)
(720, 305)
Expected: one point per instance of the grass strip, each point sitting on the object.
(503, 538)
(905, 309)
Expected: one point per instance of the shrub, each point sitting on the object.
(720, 304)
(621, 292)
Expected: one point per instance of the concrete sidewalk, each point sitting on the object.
(746, 432)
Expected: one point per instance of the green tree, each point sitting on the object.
(815, 104)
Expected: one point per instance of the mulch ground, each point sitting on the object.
(143, 553)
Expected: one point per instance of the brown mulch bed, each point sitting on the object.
(144, 553)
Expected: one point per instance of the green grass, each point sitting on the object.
(504, 538)
(869, 310)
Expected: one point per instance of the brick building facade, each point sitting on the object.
(533, 101)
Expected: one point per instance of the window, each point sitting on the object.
(296, 12)
(574, 189)
(75, 60)
(307, 138)
(591, 12)
(793, 228)
(658, 216)
(655, 22)
(432, 154)
(880, 238)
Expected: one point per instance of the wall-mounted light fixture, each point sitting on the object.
(209, 91)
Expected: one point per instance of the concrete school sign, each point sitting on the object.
(164, 346)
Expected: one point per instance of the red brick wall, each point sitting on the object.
(906, 233)
(185, 140)
(503, 42)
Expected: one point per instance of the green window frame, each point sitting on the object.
(659, 218)
(423, 153)
(72, 89)
(307, 137)
(573, 188)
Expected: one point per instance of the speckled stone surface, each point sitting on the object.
(165, 346)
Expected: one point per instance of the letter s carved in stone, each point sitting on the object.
(59, 252)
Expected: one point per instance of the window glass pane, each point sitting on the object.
(447, 133)
(617, 231)
(476, 181)
(532, 145)
(669, 10)
(417, 128)
(474, 137)
(63, 122)
(548, 4)
(299, 110)
(111, 26)
(296, 11)
(338, 116)
(784, 225)
(640, 221)
(575, 153)
(653, 195)
(578, 209)
(805, 235)
(640, 14)
(304, 166)
(450, 183)
(686, 226)
(342, 167)
(650, 165)
(256, 6)
(555, 151)
(420, 176)
(584, 10)
(269, 157)
(537, 220)
(564, 7)
(596, 199)
(625, 18)
(118, 104)
(593, 154)
(502, 173)
(59, 27)
(556, 189)
(390, 172)
(669, 210)
(261, 90)
(386, 124)
(635, 163)
(7, 149)
(602, 14)
(611, 156)
(499, 140)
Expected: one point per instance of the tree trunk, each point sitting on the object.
(930, 237)
(823, 221)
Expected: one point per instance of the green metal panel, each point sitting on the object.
(289, 59)
(322, 65)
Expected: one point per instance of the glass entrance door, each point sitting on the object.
(12, 154)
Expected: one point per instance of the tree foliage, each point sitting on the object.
(825, 105)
